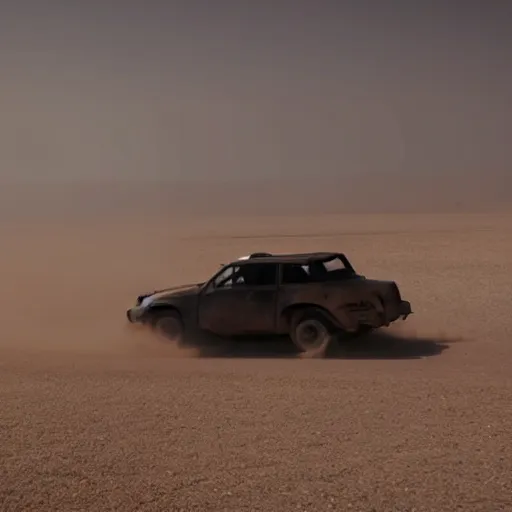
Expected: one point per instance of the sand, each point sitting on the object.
(96, 415)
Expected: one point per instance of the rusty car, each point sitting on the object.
(314, 298)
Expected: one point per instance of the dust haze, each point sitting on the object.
(253, 111)
(127, 138)
(141, 147)
(122, 134)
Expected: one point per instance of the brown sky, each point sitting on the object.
(184, 90)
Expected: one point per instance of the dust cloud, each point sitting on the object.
(118, 139)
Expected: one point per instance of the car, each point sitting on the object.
(314, 298)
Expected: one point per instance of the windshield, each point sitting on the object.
(228, 277)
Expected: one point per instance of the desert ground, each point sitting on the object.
(97, 416)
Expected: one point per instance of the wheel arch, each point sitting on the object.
(287, 314)
(160, 308)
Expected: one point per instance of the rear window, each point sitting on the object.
(315, 271)
(334, 264)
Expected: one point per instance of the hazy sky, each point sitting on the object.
(224, 89)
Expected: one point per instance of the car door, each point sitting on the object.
(237, 306)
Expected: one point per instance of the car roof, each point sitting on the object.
(298, 258)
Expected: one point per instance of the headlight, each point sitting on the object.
(146, 301)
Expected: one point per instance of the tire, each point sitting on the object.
(168, 324)
(311, 333)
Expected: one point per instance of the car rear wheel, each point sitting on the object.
(168, 324)
(311, 333)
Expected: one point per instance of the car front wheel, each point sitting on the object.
(168, 324)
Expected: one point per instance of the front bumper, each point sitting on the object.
(134, 314)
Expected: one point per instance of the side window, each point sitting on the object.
(259, 274)
(295, 274)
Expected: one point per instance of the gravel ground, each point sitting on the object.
(96, 416)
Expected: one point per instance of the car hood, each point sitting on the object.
(173, 291)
